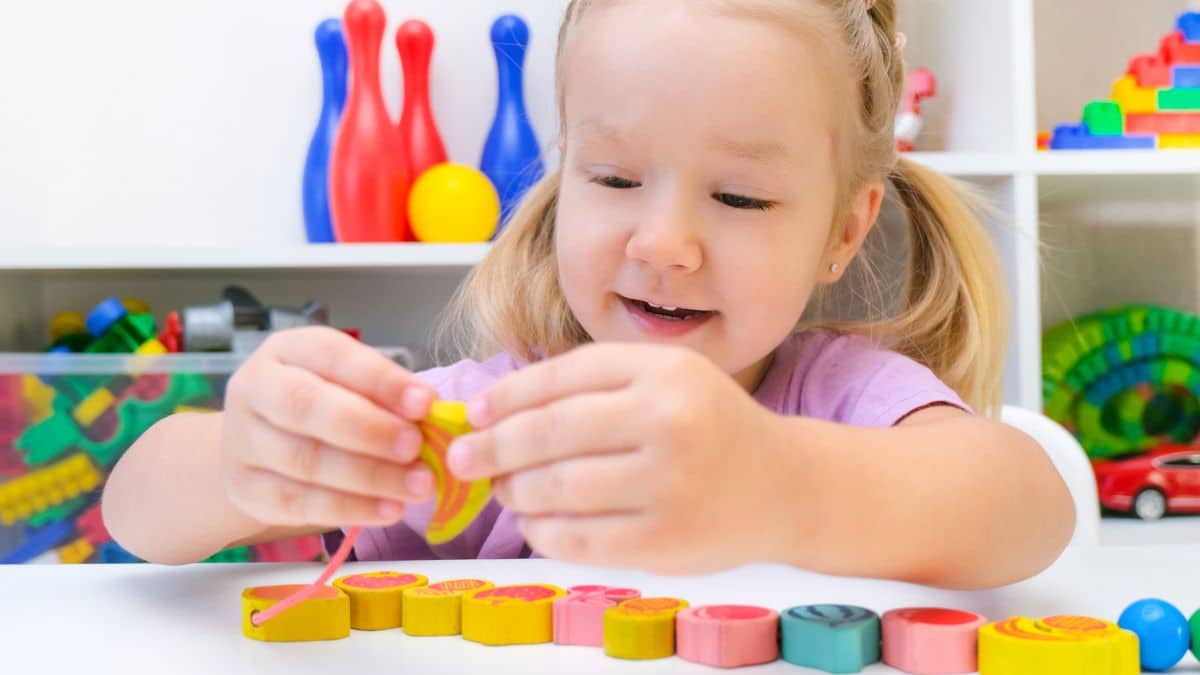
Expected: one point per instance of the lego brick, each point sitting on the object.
(1077, 137)
(1150, 71)
(1162, 123)
(37, 542)
(1104, 118)
(1133, 98)
(1185, 76)
(1178, 141)
(35, 492)
(1177, 50)
(1179, 99)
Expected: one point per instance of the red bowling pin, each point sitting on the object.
(418, 130)
(368, 177)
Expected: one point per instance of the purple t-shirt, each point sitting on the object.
(840, 378)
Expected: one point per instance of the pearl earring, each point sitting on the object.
(833, 268)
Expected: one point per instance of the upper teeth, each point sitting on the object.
(664, 308)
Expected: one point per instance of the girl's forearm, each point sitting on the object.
(164, 501)
(959, 503)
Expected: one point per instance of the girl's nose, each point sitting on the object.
(667, 241)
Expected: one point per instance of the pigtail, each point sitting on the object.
(954, 315)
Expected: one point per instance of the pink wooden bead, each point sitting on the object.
(579, 616)
(727, 636)
(931, 640)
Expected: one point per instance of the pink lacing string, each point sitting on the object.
(339, 557)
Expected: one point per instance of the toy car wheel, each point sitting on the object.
(1150, 504)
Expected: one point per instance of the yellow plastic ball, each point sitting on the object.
(453, 203)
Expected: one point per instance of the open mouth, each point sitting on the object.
(666, 320)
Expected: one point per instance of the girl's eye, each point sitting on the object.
(741, 202)
(616, 182)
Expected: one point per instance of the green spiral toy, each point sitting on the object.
(1125, 379)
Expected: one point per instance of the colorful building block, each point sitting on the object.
(90, 524)
(436, 609)
(14, 417)
(1162, 630)
(579, 617)
(37, 542)
(76, 552)
(1150, 71)
(1104, 118)
(1134, 98)
(112, 553)
(1178, 50)
(1179, 99)
(28, 495)
(1178, 141)
(727, 636)
(833, 638)
(296, 549)
(931, 640)
(510, 615)
(1188, 23)
(325, 616)
(1163, 123)
(642, 628)
(1078, 137)
(1057, 645)
(1185, 76)
(376, 598)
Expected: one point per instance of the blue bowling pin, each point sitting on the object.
(511, 155)
(331, 47)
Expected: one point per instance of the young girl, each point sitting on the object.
(649, 395)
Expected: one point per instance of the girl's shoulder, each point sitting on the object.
(463, 379)
(849, 379)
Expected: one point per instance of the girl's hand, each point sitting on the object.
(628, 455)
(319, 430)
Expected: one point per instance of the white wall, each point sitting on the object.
(186, 123)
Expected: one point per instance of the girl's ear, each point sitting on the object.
(860, 218)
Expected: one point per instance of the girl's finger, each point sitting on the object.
(577, 486)
(283, 501)
(310, 461)
(302, 403)
(577, 425)
(591, 368)
(339, 358)
(607, 540)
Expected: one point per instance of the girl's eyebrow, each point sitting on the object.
(758, 151)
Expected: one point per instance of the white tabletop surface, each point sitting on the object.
(152, 619)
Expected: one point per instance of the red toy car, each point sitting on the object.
(1150, 485)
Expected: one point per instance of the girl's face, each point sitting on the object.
(698, 179)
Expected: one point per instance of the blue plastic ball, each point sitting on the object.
(1162, 630)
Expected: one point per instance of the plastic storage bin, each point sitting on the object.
(65, 419)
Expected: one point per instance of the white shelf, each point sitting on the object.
(1117, 162)
(967, 164)
(301, 257)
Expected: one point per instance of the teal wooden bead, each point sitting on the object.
(833, 638)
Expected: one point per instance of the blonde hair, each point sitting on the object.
(951, 317)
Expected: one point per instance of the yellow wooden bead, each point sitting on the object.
(325, 616)
(458, 502)
(510, 615)
(1057, 645)
(436, 609)
(642, 628)
(376, 598)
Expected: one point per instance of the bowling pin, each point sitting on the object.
(368, 177)
(511, 155)
(331, 48)
(418, 130)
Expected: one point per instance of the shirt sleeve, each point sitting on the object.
(854, 382)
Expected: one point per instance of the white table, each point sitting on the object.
(152, 619)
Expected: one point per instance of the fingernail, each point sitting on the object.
(390, 509)
(408, 445)
(477, 412)
(419, 482)
(458, 456)
(415, 403)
